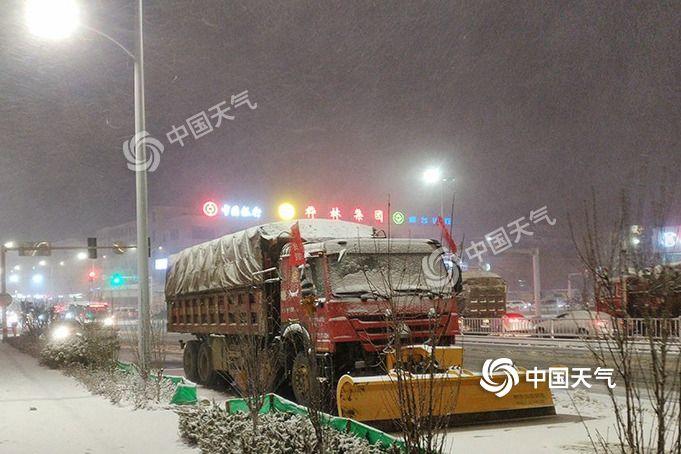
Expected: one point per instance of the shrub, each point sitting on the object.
(215, 431)
(91, 348)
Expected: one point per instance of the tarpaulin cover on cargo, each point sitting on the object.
(235, 260)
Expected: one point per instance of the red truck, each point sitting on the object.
(244, 283)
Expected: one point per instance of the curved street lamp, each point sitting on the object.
(57, 19)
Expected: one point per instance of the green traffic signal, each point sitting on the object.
(117, 280)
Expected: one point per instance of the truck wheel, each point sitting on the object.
(206, 372)
(300, 378)
(190, 360)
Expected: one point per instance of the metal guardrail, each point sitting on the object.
(571, 327)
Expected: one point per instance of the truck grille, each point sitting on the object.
(375, 331)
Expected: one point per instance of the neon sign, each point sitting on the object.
(334, 212)
(211, 209)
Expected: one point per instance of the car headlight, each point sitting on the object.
(60, 333)
(109, 321)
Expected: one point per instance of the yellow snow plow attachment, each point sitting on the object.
(457, 395)
(445, 356)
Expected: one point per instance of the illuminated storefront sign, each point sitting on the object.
(355, 213)
(212, 209)
(358, 215)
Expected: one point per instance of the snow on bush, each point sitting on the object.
(125, 388)
(215, 431)
(91, 348)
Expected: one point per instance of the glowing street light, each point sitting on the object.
(14, 278)
(81, 255)
(432, 175)
(52, 19)
(9, 244)
(286, 211)
(37, 279)
(42, 263)
(17, 268)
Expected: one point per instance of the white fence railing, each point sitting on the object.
(571, 327)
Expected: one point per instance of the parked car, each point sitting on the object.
(516, 323)
(576, 323)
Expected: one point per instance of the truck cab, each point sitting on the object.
(354, 296)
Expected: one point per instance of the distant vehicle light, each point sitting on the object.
(109, 321)
(61, 333)
(161, 264)
(12, 318)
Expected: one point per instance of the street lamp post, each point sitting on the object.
(3, 289)
(432, 176)
(143, 251)
(42, 22)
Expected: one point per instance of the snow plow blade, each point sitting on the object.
(457, 396)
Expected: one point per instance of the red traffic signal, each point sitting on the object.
(92, 275)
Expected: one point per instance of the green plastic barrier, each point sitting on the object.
(277, 403)
(185, 390)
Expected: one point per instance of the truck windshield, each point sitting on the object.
(382, 275)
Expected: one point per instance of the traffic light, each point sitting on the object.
(116, 280)
(92, 275)
(92, 248)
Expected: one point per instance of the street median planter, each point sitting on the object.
(185, 390)
(275, 403)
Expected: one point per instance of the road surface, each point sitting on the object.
(43, 411)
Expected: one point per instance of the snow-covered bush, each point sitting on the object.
(92, 348)
(215, 431)
(125, 388)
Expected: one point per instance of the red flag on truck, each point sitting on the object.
(445, 234)
(297, 256)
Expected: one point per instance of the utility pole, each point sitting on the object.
(536, 282)
(3, 289)
(142, 198)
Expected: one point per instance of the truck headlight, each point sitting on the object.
(60, 333)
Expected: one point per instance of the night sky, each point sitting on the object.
(525, 103)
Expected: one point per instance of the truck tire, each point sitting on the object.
(190, 360)
(206, 372)
(300, 378)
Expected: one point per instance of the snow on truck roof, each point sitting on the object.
(373, 246)
(236, 260)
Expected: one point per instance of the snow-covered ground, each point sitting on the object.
(563, 433)
(43, 411)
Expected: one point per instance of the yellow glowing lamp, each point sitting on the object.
(286, 211)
